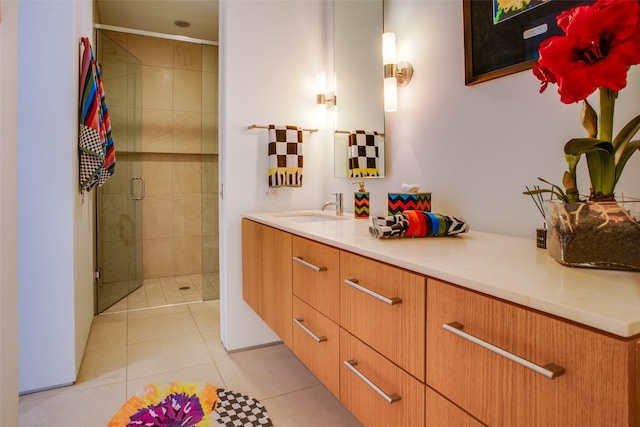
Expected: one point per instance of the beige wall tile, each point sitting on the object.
(113, 209)
(119, 127)
(209, 92)
(209, 133)
(209, 214)
(187, 90)
(186, 215)
(113, 46)
(152, 50)
(157, 130)
(118, 184)
(157, 87)
(157, 217)
(210, 174)
(186, 174)
(187, 132)
(187, 255)
(115, 261)
(116, 83)
(209, 58)
(157, 170)
(157, 258)
(187, 56)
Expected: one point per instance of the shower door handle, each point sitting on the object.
(133, 180)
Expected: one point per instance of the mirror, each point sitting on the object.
(357, 48)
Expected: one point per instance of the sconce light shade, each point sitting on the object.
(395, 73)
(323, 100)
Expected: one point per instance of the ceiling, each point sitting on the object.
(158, 16)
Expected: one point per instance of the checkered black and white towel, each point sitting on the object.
(363, 154)
(285, 156)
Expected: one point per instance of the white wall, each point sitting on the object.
(270, 53)
(475, 148)
(8, 215)
(54, 230)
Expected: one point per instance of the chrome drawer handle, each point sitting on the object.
(309, 265)
(298, 321)
(392, 398)
(354, 284)
(550, 370)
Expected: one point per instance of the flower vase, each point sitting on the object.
(603, 235)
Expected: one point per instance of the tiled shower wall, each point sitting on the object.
(179, 154)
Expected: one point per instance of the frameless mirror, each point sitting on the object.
(357, 32)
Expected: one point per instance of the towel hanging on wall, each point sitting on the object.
(285, 156)
(95, 142)
(363, 154)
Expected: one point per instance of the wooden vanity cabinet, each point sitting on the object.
(599, 386)
(316, 342)
(377, 392)
(383, 306)
(316, 270)
(440, 412)
(267, 277)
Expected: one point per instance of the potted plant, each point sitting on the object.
(601, 42)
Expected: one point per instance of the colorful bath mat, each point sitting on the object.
(190, 405)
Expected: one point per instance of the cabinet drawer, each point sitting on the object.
(385, 309)
(442, 413)
(399, 399)
(595, 389)
(316, 276)
(316, 341)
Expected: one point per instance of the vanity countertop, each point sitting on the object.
(506, 267)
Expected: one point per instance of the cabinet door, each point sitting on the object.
(252, 264)
(442, 413)
(276, 290)
(395, 327)
(316, 276)
(376, 391)
(316, 342)
(595, 389)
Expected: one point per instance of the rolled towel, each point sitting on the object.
(416, 224)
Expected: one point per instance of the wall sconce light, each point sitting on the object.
(324, 100)
(395, 73)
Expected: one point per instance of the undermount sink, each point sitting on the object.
(308, 217)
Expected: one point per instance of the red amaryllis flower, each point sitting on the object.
(601, 42)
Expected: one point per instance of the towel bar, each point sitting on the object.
(267, 127)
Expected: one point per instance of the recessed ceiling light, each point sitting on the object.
(181, 24)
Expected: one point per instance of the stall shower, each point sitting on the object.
(157, 217)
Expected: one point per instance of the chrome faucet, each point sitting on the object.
(337, 204)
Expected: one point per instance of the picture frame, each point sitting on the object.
(497, 44)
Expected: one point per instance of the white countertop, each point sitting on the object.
(510, 268)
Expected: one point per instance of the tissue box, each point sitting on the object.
(400, 202)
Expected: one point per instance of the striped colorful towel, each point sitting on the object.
(363, 154)
(97, 152)
(416, 224)
(285, 156)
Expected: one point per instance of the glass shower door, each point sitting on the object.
(118, 201)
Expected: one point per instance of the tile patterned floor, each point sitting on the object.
(161, 292)
(127, 350)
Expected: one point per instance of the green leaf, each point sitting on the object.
(579, 146)
(600, 162)
(589, 119)
(627, 132)
(625, 155)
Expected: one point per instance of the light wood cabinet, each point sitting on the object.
(599, 387)
(442, 413)
(377, 392)
(316, 342)
(316, 270)
(384, 307)
(266, 273)
(252, 265)
(486, 367)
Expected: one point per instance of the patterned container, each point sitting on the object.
(361, 205)
(400, 202)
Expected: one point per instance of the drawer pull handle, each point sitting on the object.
(550, 370)
(392, 398)
(308, 264)
(354, 284)
(298, 321)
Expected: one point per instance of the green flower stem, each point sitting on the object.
(607, 106)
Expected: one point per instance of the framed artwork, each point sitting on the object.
(502, 37)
